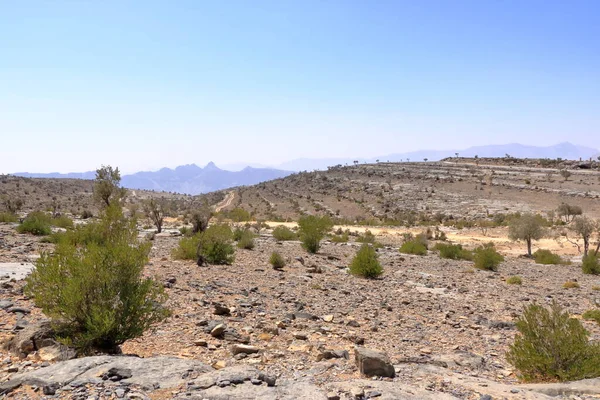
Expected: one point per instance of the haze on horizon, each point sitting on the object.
(144, 85)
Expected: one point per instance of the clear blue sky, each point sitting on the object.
(146, 84)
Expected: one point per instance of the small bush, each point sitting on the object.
(590, 264)
(185, 231)
(97, 294)
(8, 217)
(570, 285)
(487, 258)
(514, 280)
(453, 251)
(187, 248)
(237, 215)
(284, 233)
(553, 346)
(37, 223)
(592, 315)
(365, 263)
(413, 247)
(63, 222)
(215, 244)
(312, 230)
(246, 240)
(547, 257)
(276, 260)
(341, 237)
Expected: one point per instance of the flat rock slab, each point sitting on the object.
(150, 373)
(11, 270)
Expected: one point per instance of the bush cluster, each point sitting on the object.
(37, 223)
(214, 245)
(547, 257)
(245, 239)
(553, 346)
(590, 264)
(592, 315)
(413, 247)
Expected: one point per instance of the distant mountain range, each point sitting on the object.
(190, 179)
(564, 150)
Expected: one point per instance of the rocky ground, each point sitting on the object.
(248, 331)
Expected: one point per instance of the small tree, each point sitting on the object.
(155, 210)
(365, 263)
(528, 227)
(312, 230)
(94, 290)
(200, 218)
(568, 212)
(553, 346)
(585, 227)
(565, 174)
(107, 189)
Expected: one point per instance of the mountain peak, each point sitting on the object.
(211, 166)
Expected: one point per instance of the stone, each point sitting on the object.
(220, 309)
(300, 335)
(328, 318)
(32, 338)
(57, 352)
(373, 363)
(218, 331)
(244, 348)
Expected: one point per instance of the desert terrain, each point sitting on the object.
(444, 326)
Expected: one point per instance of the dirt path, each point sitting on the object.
(226, 201)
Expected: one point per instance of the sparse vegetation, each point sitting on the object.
(592, 315)
(365, 263)
(246, 240)
(547, 257)
(590, 264)
(514, 280)
(8, 217)
(96, 293)
(37, 223)
(276, 260)
(312, 229)
(453, 251)
(487, 258)
(283, 233)
(552, 346)
(413, 247)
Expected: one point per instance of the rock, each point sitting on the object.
(268, 379)
(5, 304)
(333, 396)
(57, 352)
(19, 310)
(49, 390)
(327, 318)
(218, 330)
(300, 335)
(116, 374)
(220, 309)
(330, 354)
(201, 342)
(32, 338)
(244, 348)
(373, 363)
(353, 323)
(459, 358)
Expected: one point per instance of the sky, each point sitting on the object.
(147, 84)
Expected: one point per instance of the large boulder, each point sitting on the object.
(32, 338)
(373, 363)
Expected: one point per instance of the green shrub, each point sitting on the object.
(487, 258)
(187, 248)
(413, 247)
(453, 251)
(590, 264)
(8, 217)
(185, 231)
(341, 238)
(365, 263)
(514, 280)
(547, 257)
(63, 222)
(246, 240)
(237, 215)
(312, 229)
(284, 233)
(96, 294)
(215, 244)
(592, 315)
(37, 223)
(238, 233)
(276, 260)
(552, 346)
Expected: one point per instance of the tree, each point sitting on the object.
(92, 285)
(565, 174)
(155, 210)
(107, 188)
(568, 212)
(528, 228)
(585, 227)
(200, 218)
(311, 230)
